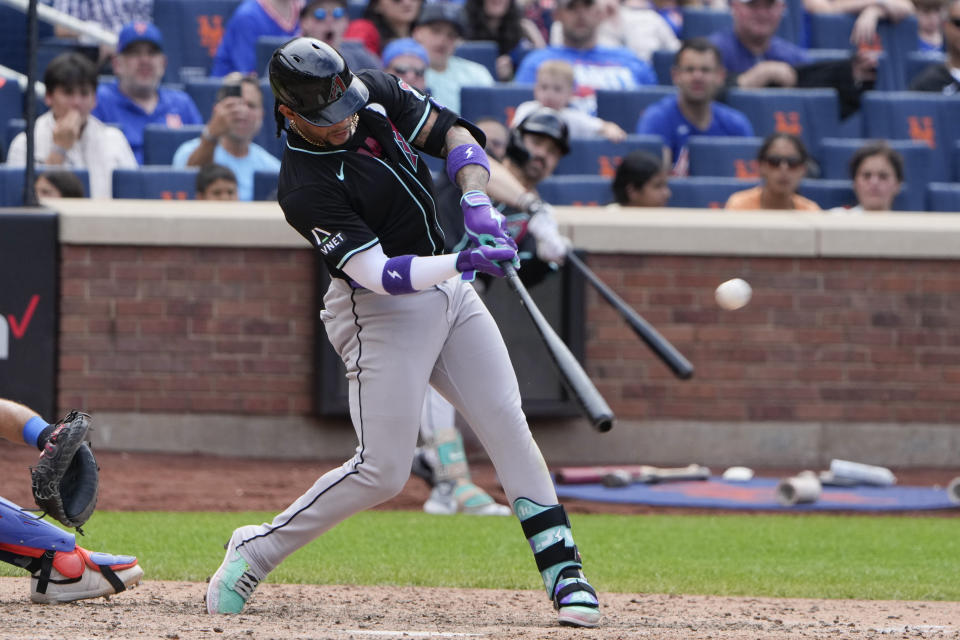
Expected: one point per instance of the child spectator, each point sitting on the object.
(216, 182)
(59, 184)
(554, 89)
(68, 135)
(930, 24)
(640, 181)
(944, 77)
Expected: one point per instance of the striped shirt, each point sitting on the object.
(110, 14)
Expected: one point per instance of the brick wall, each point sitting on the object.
(230, 331)
(186, 329)
(823, 339)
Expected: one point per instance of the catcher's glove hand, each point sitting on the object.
(66, 479)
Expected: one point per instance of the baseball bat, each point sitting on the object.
(662, 347)
(576, 379)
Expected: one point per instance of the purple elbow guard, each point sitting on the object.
(396, 276)
(463, 155)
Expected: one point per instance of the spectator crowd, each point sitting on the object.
(689, 70)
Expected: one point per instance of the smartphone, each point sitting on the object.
(231, 91)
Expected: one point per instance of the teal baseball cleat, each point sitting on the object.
(233, 583)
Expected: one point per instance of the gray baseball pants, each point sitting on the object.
(393, 347)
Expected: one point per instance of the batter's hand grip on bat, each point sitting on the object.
(598, 411)
(668, 353)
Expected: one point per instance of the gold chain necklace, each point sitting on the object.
(354, 122)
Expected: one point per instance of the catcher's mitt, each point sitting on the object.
(66, 479)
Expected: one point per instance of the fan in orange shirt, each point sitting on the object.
(782, 161)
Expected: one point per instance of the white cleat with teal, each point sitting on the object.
(233, 583)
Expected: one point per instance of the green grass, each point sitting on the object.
(816, 556)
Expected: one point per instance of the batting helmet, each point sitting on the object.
(313, 79)
(543, 121)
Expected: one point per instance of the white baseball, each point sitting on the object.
(733, 294)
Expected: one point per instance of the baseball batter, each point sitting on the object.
(398, 311)
(61, 571)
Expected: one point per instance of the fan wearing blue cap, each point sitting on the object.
(408, 60)
(136, 98)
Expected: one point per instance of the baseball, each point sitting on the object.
(733, 294)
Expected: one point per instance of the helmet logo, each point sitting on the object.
(337, 89)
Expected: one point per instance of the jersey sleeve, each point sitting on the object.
(324, 217)
(408, 110)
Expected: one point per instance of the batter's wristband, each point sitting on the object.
(463, 155)
(396, 276)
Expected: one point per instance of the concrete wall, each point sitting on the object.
(188, 326)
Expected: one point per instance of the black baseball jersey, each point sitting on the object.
(375, 188)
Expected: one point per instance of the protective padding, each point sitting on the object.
(18, 527)
(547, 529)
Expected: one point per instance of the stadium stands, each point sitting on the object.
(828, 193)
(498, 101)
(192, 30)
(705, 192)
(626, 107)
(724, 157)
(943, 196)
(911, 115)
(481, 51)
(811, 114)
(11, 183)
(576, 190)
(160, 142)
(662, 62)
(601, 157)
(265, 185)
(11, 107)
(919, 170)
(152, 183)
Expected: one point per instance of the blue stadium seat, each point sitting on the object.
(155, 183)
(830, 30)
(13, 38)
(626, 106)
(576, 190)
(723, 157)
(899, 40)
(499, 101)
(14, 127)
(918, 160)
(267, 137)
(943, 196)
(704, 192)
(812, 114)
(828, 193)
(265, 185)
(355, 8)
(204, 94)
(599, 156)
(828, 55)
(956, 161)
(192, 30)
(662, 62)
(484, 52)
(11, 104)
(917, 61)
(266, 45)
(11, 183)
(914, 115)
(700, 22)
(161, 142)
(794, 26)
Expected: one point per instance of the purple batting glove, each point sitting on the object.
(485, 259)
(485, 225)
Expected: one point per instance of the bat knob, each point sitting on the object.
(603, 423)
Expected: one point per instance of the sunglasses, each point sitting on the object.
(401, 71)
(955, 22)
(337, 13)
(778, 161)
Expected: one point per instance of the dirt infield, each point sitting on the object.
(174, 610)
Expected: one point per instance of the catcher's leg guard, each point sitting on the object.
(81, 574)
(547, 529)
(18, 527)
